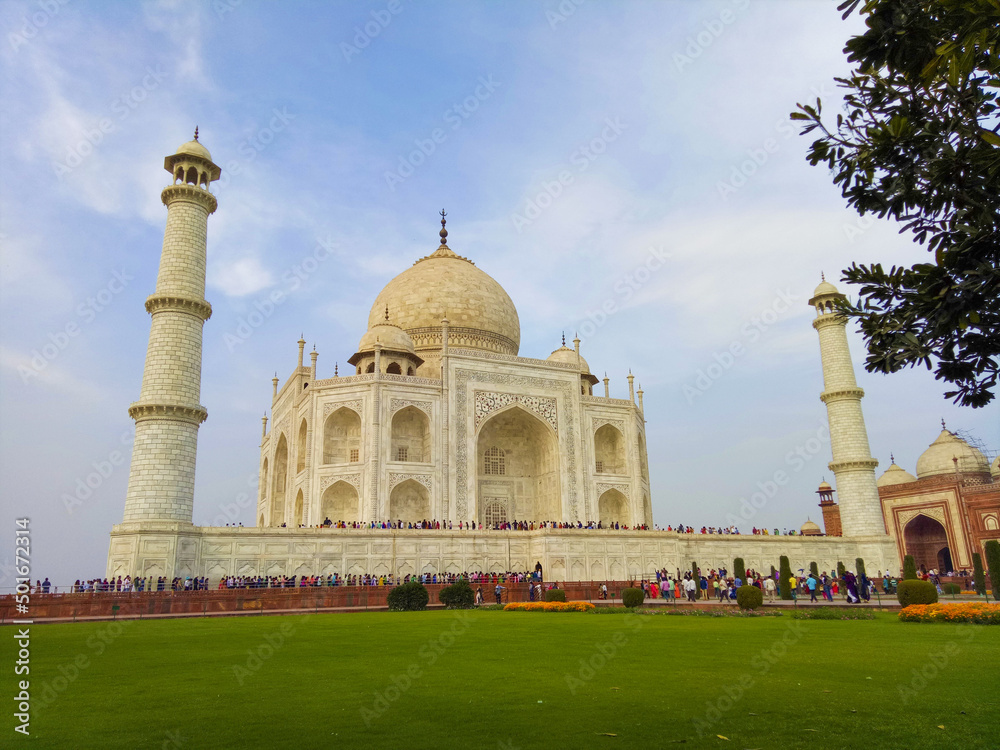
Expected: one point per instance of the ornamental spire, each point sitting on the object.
(444, 232)
(196, 132)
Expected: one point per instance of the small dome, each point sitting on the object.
(938, 459)
(825, 287)
(809, 528)
(895, 475)
(390, 336)
(568, 356)
(194, 148)
(995, 469)
(824, 486)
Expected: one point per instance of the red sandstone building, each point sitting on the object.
(945, 513)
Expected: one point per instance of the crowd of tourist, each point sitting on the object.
(716, 584)
(719, 584)
(435, 525)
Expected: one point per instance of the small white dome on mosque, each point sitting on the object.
(568, 356)
(194, 148)
(825, 287)
(939, 458)
(810, 528)
(895, 475)
(389, 335)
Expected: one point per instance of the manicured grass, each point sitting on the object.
(499, 680)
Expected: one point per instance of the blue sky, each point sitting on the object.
(571, 143)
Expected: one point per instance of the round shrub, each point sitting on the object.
(632, 598)
(459, 594)
(916, 592)
(951, 588)
(409, 597)
(555, 595)
(749, 597)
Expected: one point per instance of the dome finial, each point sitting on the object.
(943, 427)
(196, 132)
(822, 276)
(443, 232)
(892, 458)
(564, 338)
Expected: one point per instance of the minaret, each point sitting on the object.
(853, 465)
(167, 414)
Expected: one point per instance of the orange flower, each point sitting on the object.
(978, 612)
(548, 607)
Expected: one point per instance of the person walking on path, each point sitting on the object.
(793, 584)
(811, 583)
(497, 591)
(769, 587)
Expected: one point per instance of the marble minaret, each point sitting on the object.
(168, 413)
(853, 465)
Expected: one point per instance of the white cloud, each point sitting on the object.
(240, 277)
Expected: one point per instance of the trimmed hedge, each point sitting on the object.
(992, 550)
(749, 597)
(409, 597)
(740, 568)
(840, 570)
(814, 569)
(916, 592)
(786, 573)
(632, 598)
(951, 588)
(459, 594)
(909, 568)
(555, 595)
(978, 576)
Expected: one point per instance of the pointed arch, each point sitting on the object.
(300, 448)
(340, 502)
(526, 450)
(925, 538)
(409, 501)
(297, 516)
(612, 507)
(394, 369)
(279, 482)
(411, 436)
(609, 450)
(262, 484)
(342, 437)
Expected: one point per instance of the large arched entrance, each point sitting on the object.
(517, 469)
(926, 539)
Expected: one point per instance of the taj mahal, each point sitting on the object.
(442, 418)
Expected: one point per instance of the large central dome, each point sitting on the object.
(480, 313)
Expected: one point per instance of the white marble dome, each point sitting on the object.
(938, 459)
(895, 475)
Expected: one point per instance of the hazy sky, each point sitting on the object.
(575, 145)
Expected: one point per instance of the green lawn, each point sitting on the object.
(510, 680)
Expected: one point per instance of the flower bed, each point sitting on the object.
(978, 612)
(549, 607)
